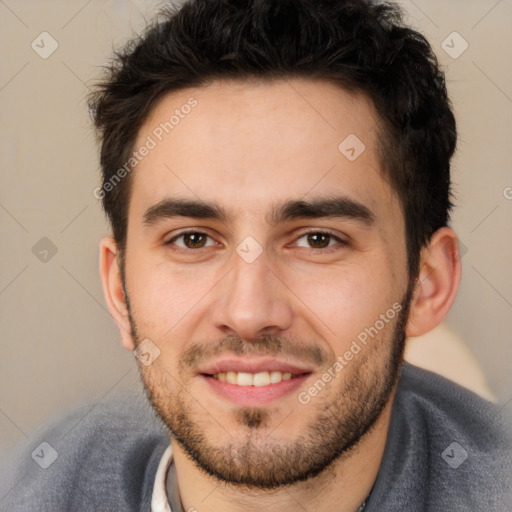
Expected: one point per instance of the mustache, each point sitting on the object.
(265, 345)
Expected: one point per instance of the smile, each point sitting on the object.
(253, 379)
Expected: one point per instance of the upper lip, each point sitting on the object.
(251, 365)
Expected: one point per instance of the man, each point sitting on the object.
(277, 177)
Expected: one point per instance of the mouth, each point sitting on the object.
(259, 379)
(253, 382)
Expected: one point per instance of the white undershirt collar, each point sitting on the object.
(159, 501)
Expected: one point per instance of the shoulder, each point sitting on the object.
(100, 456)
(447, 447)
(437, 403)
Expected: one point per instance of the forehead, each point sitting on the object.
(251, 144)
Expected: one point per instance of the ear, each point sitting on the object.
(437, 283)
(113, 289)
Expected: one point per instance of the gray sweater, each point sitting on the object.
(447, 450)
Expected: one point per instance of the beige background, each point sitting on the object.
(59, 344)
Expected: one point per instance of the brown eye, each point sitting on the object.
(317, 240)
(191, 240)
(194, 240)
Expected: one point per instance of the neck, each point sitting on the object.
(343, 486)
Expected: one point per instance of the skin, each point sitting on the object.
(248, 146)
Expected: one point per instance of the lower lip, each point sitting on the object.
(252, 396)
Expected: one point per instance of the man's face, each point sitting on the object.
(292, 258)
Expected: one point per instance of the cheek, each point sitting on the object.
(341, 303)
(163, 299)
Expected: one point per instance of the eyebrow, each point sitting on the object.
(169, 208)
(328, 207)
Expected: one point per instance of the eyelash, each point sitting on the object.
(340, 242)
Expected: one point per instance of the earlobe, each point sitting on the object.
(113, 289)
(437, 283)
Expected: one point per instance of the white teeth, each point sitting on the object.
(231, 377)
(244, 379)
(261, 379)
(253, 379)
(275, 377)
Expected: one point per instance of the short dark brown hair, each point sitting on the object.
(361, 45)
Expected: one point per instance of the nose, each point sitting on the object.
(252, 300)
